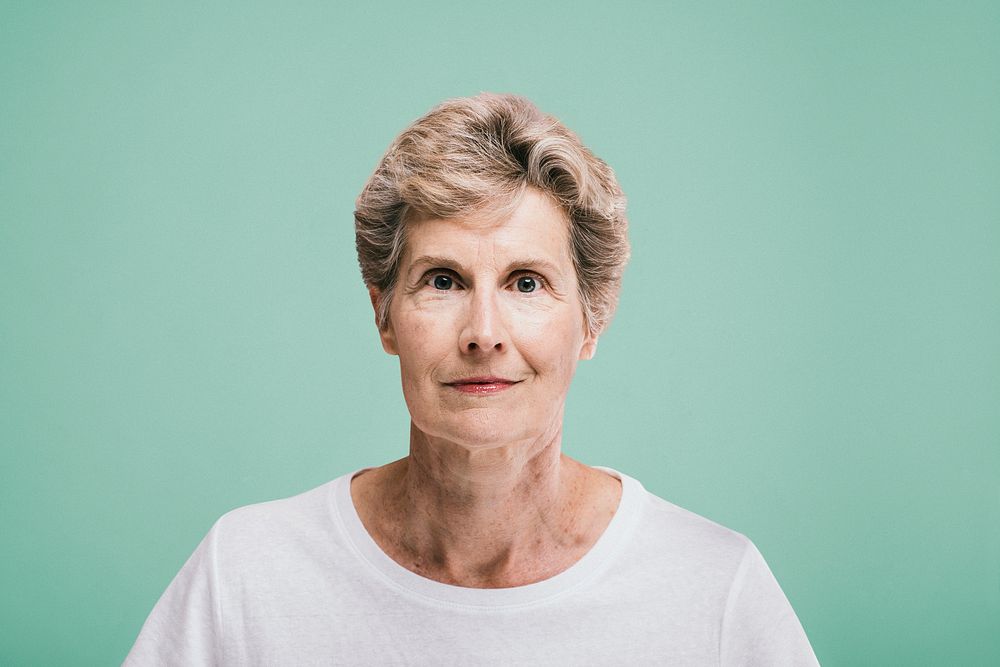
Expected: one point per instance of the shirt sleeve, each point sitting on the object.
(759, 626)
(184, 626)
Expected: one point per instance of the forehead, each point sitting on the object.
(535, 226)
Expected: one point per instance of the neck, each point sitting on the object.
(492, 494)
(486, 518)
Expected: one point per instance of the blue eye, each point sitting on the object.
(442, 282)
(526, 284)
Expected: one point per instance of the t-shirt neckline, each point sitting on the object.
(413, 584)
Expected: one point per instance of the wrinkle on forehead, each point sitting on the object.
(496, 216)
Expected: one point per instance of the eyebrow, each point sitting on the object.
(432, 260)
(449, 263)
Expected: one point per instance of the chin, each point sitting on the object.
(475, 433)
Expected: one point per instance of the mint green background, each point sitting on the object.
(807, 348)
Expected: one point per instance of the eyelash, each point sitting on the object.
(429, 277)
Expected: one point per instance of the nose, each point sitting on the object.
(484, 329)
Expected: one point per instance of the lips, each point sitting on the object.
(482, 385)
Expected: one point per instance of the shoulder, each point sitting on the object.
(660, 519)
(669, 540)
(694, 530)
(263, 557)
(279, 524)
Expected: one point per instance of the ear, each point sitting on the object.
(589, 348)
(386, 333)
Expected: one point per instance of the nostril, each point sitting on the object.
(473, 346)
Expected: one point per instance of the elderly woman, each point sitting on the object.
(492, 243)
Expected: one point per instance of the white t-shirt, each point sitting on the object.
(299, 581)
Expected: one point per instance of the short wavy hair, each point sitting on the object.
(479, 154)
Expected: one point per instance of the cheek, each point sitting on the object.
(551, 340)
(423, 341)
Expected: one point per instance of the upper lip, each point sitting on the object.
(482, 379)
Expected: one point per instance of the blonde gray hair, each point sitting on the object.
(478, 154)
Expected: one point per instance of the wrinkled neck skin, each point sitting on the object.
(486, 518)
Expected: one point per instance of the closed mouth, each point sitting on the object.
(482, 385)
(482, 380)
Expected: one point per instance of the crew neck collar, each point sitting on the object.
(413, 584)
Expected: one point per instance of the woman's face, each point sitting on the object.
(488, 325)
